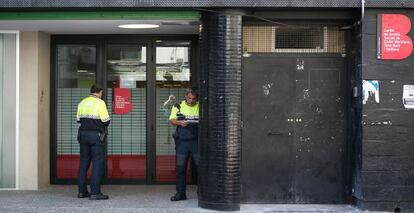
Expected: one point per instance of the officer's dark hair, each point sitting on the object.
(191, 91)
(96, 89)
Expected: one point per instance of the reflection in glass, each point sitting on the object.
(173, 79)
(76, 73)
(126, 65)
(173, 64)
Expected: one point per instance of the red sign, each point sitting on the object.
(395, 44)
(122, 101)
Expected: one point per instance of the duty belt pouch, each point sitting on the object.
(102, 135)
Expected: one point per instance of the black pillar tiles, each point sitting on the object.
(220, 141)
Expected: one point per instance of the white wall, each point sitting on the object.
(43, 93)
(34, 110)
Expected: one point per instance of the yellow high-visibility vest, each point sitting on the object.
(94, 108)
(190, 112)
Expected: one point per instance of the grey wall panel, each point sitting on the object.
(382, 133)
(387, 177)
(380, 147)
(387, 163)
(8, 110)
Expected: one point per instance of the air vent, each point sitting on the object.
(265, 38)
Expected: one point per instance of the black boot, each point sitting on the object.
(83, 194)
(178, 197)
(98, 197)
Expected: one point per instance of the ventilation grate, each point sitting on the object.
(293, 39)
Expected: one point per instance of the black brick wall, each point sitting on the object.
(387, 171)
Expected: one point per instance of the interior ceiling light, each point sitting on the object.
(138, 26)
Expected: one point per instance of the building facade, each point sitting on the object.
(301, 101)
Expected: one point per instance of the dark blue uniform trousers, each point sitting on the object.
(91, 149)
(185, 149)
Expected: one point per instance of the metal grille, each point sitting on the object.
(286, 38)
(293, 39)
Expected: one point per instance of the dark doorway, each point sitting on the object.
(294, 147)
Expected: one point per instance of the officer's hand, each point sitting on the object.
(183, 123)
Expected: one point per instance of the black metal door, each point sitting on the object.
(320, 130)
(294, 129)
(267, 150)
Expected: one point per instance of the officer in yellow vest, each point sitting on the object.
(93, 118)
(185, 117)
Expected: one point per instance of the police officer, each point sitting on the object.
(185, 117)
(93, 118)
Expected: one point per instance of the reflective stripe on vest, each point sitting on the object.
(93, 108)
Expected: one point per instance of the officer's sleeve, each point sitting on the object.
(103, 113)
(78, 114)
(173, 114)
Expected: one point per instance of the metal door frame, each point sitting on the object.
(101, 42)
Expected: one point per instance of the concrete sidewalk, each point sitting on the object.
(131, 199)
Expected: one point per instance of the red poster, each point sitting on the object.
(122, 101)
(395, 43)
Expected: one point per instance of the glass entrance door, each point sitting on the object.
(75, 72)
(173, 78)
(143, 79)
(126, 100)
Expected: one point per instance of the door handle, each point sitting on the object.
(274, 133)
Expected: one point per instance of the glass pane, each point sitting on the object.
(173, 64)
(8, 110)
(173, 79)
(76, 73)
(127, 106)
